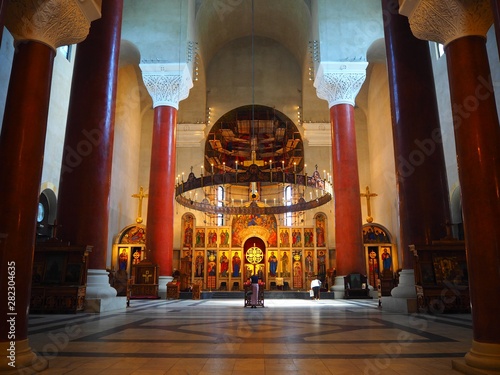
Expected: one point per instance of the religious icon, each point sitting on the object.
(320, 230)
(224, 264)
(284, 265)
(123, 259)
(309, 263)
(273, 264)
(386, 259)
(372, 266)
(199, 264)
(321, 264)
(236, 265)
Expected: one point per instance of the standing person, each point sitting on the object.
(255, 290)
(315, 285)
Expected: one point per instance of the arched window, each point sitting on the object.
(287, 198)
(220, 202)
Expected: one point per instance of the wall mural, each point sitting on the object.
(245, 225)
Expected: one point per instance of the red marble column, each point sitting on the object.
(2, 17)
(167, 84)
(22, 144)
(477, 141)
(348, 220)
(160, 226)
(495, 7)
(83, 209)
(418, 149)
(477, 138)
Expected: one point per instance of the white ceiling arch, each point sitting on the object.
(288, 22)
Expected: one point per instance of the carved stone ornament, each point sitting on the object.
(444, 21)
(339, 82)
(167, 84)
(52, 22)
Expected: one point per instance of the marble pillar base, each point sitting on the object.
(20, 359)
(100, 296)
(338, 287)
(399, 305)
(162, 285)
(482, 358)
(403, 297)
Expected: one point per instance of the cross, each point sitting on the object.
(146, 276)
(140, 196)
(54, 227)
(368, 195)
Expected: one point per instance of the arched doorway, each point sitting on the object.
(254, 261)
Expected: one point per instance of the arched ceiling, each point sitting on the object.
(286, 21)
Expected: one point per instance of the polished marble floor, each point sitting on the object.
(222, 337)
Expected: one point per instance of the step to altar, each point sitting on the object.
(271, 294)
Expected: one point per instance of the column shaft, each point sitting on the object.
(160, 226)
(2, 17)
(22, 144)
(83, 209)
(477, 138)
(423, 196)
(495, 7)
(348, 221)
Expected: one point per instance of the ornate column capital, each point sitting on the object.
(52, 22)
(339, 82)
(444, 21)
(167, 84)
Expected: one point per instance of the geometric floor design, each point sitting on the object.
(222, 337)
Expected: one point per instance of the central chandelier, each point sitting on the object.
(257, 153)
(307, 192)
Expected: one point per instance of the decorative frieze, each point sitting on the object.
(167, 84)
(52, 22)
(444, 21)
(340, 82)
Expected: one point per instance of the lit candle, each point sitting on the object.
(236, 165)
(324, 174)
(202, 170)
(265, 201)
(212, 169)
(182, 176)
(224, 166)
(271, 164)
(283, 165)
(294, 167)
(241, 201)
(274, 201)
(305, 170)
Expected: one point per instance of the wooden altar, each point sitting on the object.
(59, 278)
(441, 277)
(144, 280)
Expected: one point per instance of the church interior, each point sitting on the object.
(159, 155)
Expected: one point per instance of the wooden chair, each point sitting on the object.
(356, 286)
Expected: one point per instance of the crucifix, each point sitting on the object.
(140, 196)
(146, 276)
(368, 195)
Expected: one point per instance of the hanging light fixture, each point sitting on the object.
(265, 172)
